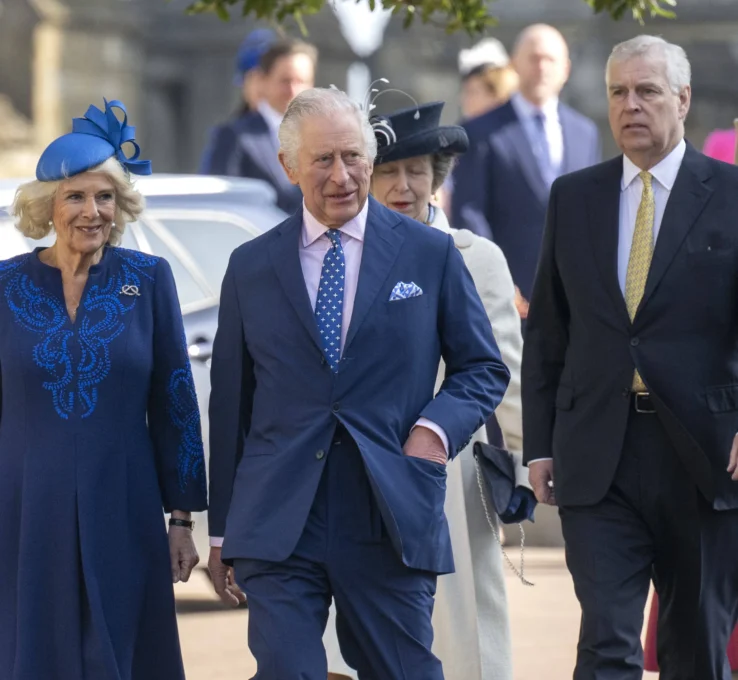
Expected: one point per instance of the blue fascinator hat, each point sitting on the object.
(93, 139)
(252, 49)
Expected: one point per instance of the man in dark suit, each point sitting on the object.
(630, 380)
(247, 146)
(328, 447)
(501, 187)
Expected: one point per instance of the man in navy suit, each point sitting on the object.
(328, 447)
(630, 380)
(247, 146)
(501, 187)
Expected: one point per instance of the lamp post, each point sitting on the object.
(363, 30)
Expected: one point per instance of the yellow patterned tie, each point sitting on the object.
(641, 252)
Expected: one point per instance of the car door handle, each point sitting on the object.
(200, 349)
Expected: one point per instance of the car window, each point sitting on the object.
(187, 287)
(210, 241)
(12, 242)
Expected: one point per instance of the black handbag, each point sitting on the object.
(511, 503)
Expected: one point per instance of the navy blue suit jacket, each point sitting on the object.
(245, 147)
(275, 403)
(499, 191)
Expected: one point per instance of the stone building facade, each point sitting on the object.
(174, 72)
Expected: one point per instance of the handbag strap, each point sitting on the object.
(493, 525)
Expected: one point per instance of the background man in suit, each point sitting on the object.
(501, 187)
(328, 447)
(630, 380)
(248, 145)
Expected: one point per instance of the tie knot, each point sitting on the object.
(335, 236)
(646, 178)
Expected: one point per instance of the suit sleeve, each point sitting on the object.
(546, 341)
(596, 147)
(219, 156)
(231, 399)
(476, 378)
(173, 411)
(497, 291)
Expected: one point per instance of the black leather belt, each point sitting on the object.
(642, 402)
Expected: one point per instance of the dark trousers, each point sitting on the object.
(383, 608)
(653, 525)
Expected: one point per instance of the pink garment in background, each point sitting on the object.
(720, 144)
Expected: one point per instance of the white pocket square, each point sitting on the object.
(403, 291)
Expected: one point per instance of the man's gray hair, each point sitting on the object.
(320, 101)
(678, 69)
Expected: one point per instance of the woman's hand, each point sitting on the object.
(182, 552)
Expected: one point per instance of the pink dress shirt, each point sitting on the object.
(314, 244)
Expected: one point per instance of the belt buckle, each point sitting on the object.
(642, 395)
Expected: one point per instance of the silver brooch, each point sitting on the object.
(131, 290)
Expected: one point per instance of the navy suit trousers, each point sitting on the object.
(383, 607)
(653, 524)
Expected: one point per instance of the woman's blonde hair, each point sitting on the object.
(34, 203)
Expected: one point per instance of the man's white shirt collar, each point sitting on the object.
(526, 110)
(273, 118)
(665, 172)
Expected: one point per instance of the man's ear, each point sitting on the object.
(291, 174)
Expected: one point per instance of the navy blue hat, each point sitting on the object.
(93, 139)
(416, 132)
(252, 49)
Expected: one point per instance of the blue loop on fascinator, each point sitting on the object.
(94, 138)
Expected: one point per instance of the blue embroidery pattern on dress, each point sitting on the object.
(39, 312)
(185, 414)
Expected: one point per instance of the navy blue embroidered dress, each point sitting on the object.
(99, 429)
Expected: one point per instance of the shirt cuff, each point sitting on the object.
(216, 541)
(535, 460)
(430, 425)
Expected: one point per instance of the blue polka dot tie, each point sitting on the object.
(329, 305)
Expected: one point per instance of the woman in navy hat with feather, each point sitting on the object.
(99, 427)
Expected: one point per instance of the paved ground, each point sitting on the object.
(545, 623)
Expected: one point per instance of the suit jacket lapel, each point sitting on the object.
(570, 162)
(515, 136)
(603, 206)
(687, 200)
(285, 253)
(382, 243)
(261, 147)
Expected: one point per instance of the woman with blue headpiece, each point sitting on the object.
(99, 427)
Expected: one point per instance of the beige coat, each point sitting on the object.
(470, 620)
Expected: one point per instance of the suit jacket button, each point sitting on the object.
(336, 407)
(626, 393)
(634, 342)
(320, 454)
(323, 360)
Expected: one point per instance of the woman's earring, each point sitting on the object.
(51, 224)
(112, 224)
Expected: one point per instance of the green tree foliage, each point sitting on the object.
(472, 16)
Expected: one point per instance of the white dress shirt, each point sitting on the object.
(273, 118)
(314, 244)
(551, 124)
(631, 188)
